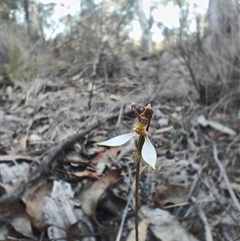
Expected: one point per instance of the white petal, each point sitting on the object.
(118, 140)
(149, 154)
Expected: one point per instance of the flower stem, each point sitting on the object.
(138, 162)
(136, 199)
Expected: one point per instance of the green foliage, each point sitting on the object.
(172, 122)
(15, 59)
(175, 134)
(4, 76)
(6, 6)
(21, 66)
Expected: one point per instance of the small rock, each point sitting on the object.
(163, 122)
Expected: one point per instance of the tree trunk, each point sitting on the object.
(222, 36)
(146, 41)
(26, 12)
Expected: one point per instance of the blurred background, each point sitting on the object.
(62, 38)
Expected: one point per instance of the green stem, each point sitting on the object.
(138, 162)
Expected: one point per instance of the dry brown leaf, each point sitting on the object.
(35, 203)
(75, 77)
(142, 231)
(100, 167)
(79, 229)
(163, 151)
(32, 188)
(169, 194)
(89, 197)
(92, 175)
(225, 138)
(9, 210)
(73, 157)
(104, 156)
(234, 186)
(23, 143)
(219, 137)
(68, 90)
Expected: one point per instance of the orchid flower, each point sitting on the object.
(148, 151)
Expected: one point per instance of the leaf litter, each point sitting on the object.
(90, 197)
(55, 180)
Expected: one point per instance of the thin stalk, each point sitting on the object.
(136, 198)
(138, 162)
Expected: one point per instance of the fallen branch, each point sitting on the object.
(47, 158)
(225, 177)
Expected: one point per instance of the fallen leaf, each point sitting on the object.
(99, 168)
(67, 90)
(115, 97)
(224, 137)
(32, 188)
(234, 186)
(110, 203)
(59, 210)
(23, 143)
(215, 125)
(9, 210)
(4, 150)
(166, 195)
(22, 224)
(105, 155)
(142, 231)
(80, 229)
(10, 173)
(75, 77)
(92, 175)
(35, 204)
(164, 226)
(73, 157)
(219, 136)
(16, 157)
(89, 197)
(34, 138)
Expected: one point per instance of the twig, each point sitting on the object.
(95, 71)
(195, 181)
(124, 216)
(159, 88)
(122, 103)
(221, 101)
(237, 138)
(218, 199)
(48, 157)
(225, 177)
(208, 233)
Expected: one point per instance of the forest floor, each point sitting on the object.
(58, 184)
